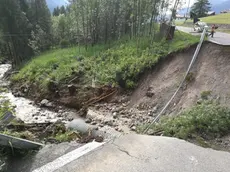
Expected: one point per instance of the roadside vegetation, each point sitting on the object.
(5, 108)
(121, 64)
(203, 122)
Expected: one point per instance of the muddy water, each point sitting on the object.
(24, 108)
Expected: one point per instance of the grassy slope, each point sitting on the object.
(123, 60)
(207, 120)
(217, 19)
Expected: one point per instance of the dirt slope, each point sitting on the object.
(211, 72)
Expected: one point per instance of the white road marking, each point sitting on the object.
(69, 157)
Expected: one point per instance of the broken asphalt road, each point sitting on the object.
(138, 153)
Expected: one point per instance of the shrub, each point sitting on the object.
(64, 43)
(130, 84)
(5, 108)
(190, 77)
(207, 120)
(204, 94)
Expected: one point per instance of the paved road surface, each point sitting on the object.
(219, 37)
(47, 154)
(52, 157)
(138, 153)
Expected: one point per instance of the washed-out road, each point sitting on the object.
(136, 153)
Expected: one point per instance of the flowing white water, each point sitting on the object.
(24, 108)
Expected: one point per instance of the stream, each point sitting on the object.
(28, 112)
(25, 109)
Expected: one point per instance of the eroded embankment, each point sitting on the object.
(125, 111)
(210, 73)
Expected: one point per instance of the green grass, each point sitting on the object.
(216, 19)
(5, 106)
(121, 63)
(205, 94)
(181, 22)
(207, 120)
(3, 89)
(67, 136)
(23, 134)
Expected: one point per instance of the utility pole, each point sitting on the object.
(187, 9)
(174, 10)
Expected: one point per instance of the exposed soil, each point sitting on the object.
(108, 107)
(210, 73)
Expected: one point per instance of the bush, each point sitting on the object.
(207, 120)
(205, 94)
(130, 84)
(190, 77)
(64, 43)
(5, 108)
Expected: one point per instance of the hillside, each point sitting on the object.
(218, 19)
(102, 69)
(221, 6)
(118, 65)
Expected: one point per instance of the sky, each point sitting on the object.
(57, 2)
(216, 5)
(187, 2)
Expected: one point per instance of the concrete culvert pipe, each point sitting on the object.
(80, 126)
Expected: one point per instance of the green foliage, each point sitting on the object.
(24, 134)
(67, 136)
(3, 89)
(62, 10)
(38, 41)
(61, 28)
(122, 64)
(27, 28)
(201, 7)
(190, 77)
(207, 120)
(14, 21)
(64, 43)
(5, 106)
(108, 20)
(56, 11)
(205, 94)
(217, 19)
